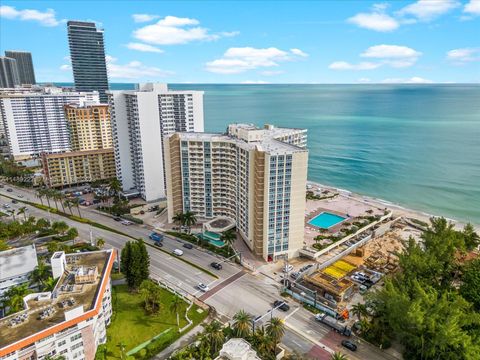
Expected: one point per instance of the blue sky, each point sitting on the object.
(257, 42)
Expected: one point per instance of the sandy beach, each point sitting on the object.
(397, 210)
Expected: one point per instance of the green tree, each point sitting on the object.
(49, 284)
(115, 188)
(71, 234)
(23, 210)
(472, 239)
(40, 274)
(3, 245)
(135, 263)
(339, 356)
(229, 237)
(470, 288)
(263, 343)
(242, 324)
(59, 227)
(151, 294)
(189, 220)
(175, 307)
(215, 336)
(275, 329)
(68, 203)
(100, 242)
(359, 310)
(76, 203)
(178, 219)
(13, 298)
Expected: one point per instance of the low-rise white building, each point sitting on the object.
(15, 266)
(71, 320)
(237, 349)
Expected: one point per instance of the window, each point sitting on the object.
(76, 337)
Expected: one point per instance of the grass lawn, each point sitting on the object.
(133, 326)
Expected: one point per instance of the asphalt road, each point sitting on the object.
(231, 292)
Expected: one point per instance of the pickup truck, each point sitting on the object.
(333, 323)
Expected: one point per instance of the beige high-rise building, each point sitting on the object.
(256, 177)
(78, 167)
(90, 127)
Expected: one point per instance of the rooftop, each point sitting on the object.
(237, 349)
(17, 262)
(69, 300)
(79, 153)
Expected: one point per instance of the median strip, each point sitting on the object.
(104, 227)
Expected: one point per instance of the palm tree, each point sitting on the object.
(59, 196)
(23, 210)
(46, 193)
(40, 273)
(60, 227)
(263, 342)
(242, 324)
(178, 218)
(40, 195)
(189, 220)
(359, 310)
(12, 214)
(339, 356)
(151, 296)
(14, 297)
(229, 237)
(115, 188)
(76, 203)
(175, 306)
(214, 335)
(49, 284)
(54, 196)
(276, 329)
(100, 242)
(68, 203)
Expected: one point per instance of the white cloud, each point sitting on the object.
(390, 55)
(140, 18)
(344, 65)
(66, 67)
(173, 30)
(364, 80)
(134, 70)
(393, 55)
(46, 18)
(472, 8)
(464, 55)
(254, 82)
(238, 60)
(412, 80)
(427, 10)
(377, 21)
(143, 47)
(298, 52)
(272, 72)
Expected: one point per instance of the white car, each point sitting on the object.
(6, 206)
(177, 252)
(203, 287)
(126, 222)
(287, 268)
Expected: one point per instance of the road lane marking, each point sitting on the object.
(309, 338)
(293, 312)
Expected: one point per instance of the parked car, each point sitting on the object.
(216, 265)
(282, 305)
(188, 246)
(287, 268)
(294, 275)
(9, 190)
(117, 219)
(20, 196)
(14, 201)
(6, 206)
(349, 345)
(177, 252)
(203, 287)
(126, 222)
(306, 267)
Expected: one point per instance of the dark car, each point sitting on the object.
(9, 190)
(188, 246)
(158, 243)
(282, 305)
(216, 265)
(117, 219)
(14, 201)
(349, 345)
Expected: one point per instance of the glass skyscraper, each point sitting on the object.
(24, 61)
(87, 52)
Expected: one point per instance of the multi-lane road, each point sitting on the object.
(233, 290)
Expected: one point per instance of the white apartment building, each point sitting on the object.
(32, 120)
(71, 320)
(16, 265)
(256, 177)
(140, 120)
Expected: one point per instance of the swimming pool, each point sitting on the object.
(326, 220)
(212, 238)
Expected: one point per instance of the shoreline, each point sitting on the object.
(397, 209)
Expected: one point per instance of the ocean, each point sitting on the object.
(414, 145)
